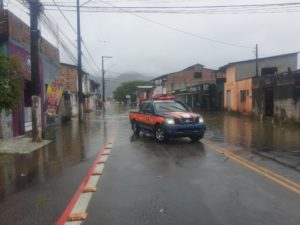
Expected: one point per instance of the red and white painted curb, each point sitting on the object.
(75, 211)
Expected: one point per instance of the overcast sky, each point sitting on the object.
(151, 49)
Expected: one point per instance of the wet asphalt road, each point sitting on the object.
(182, 183)
(145, 182)
(35, 188)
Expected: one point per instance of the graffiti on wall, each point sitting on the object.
(54, 93)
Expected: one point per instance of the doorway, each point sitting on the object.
(269, 103)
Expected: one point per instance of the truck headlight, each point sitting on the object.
(201, 120)
(170, 121)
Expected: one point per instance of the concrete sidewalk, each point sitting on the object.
(21, 145)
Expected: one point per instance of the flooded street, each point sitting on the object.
(45, 178)
(44, 181)
(252, 134)
(279, 142)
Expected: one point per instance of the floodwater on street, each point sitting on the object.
(72, 144)
(44, 181)
(252, 134)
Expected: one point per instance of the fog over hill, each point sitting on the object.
(112, 82)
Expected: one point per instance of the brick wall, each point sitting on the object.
(20, 32)
(185, 78)
(69, 73)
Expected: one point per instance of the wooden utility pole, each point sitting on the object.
(79, 66)
(35, 9)
(256, 59)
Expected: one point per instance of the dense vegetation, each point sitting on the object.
(128, 88)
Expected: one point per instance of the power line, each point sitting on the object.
(208, 12)
(58, 35)
(66, 19)
(186, 7)
(221, 9)
(63, 44)
(181, 31)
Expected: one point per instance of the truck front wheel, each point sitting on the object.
(159, 134)
(135, 128)
(196, 138)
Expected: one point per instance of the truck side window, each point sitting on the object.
(143, 107)
(146, 107)
(150, 108)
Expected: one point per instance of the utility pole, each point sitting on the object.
(79, 66)
(35, 9)
(103, 80)
(256, 59)
(103, 84)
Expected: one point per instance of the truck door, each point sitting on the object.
(145, 119)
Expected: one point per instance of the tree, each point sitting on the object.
(128, 88)
(11, 83)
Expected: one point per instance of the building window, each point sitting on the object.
(172, 86)
(67, 97)
(198, 75)
(269, 71)
(243, 95)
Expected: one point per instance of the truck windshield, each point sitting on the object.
(169, 107)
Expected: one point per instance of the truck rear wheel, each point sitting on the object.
(135, 128)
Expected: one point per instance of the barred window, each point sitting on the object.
(198, 75)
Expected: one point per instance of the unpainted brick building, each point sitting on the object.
(195, 86)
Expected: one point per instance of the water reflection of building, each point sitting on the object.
(238, 131)
(20, 171)
(252, 134)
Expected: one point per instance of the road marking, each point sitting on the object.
(291, 185)
(106, 152)
(76, 209)
(88, 189)
(77, 217)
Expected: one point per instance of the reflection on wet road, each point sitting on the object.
(46, 175)
(249, 133)
(145, 182)
(149, 183)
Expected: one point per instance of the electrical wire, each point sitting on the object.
(188, 7)
(57, 34)
(181, 31)
(75, 31)
(203, 9)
